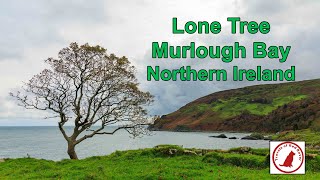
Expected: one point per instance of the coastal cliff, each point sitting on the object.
(263, 108)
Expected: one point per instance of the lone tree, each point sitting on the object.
(92, 89)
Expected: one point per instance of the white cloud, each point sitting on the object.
(35, 30)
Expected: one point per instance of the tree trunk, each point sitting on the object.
(71, 151)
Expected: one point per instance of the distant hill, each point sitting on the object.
(263, 108)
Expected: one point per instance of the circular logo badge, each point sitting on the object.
(288, 157)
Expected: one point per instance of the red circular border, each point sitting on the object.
(276, 164)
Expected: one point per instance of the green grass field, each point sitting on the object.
(156, 163)
(233, 107)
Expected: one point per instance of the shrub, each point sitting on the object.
(241, 150)
(313, 164)
(260, 151)
(241, 160)
(168, 150)
(248, 150)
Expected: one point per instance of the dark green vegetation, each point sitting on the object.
(161, 162)
(312, 138)
(261, 108)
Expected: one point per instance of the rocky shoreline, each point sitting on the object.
(253, 136)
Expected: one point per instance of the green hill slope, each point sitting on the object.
(264, 108)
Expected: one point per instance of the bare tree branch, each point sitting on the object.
(89, 87)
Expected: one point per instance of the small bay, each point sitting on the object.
(48, 143)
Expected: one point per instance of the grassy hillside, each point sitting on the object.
(162, 162)
(263, 108)
(312, 138)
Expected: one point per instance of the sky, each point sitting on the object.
(31, 31)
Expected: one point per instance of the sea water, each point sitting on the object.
(48, 143)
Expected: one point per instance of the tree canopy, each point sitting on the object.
(92, 89)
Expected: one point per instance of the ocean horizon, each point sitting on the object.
(46, 142)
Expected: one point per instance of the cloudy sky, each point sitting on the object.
(34, 30)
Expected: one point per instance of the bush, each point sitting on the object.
(241, 160)
(260, 152)
(313, 164)
(167, 150)
(147, 152)
(241, 150)
(212, 157)
(248, 150)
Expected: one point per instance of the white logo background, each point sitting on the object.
(287, 157)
